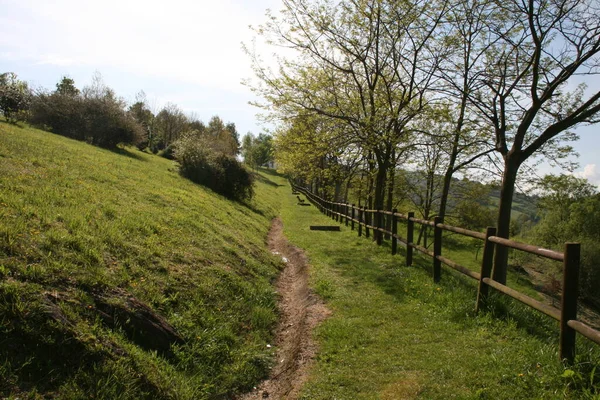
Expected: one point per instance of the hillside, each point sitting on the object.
(119, 278)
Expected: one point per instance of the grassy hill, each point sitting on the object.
(120, 279)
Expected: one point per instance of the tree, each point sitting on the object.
(366, 64)
(466, 33)
(142, 114)
(231, 129)
(258, 150)
(522, 91)
(66, 87)
(170, 124)
(15, 97)
(96, 115)
(222, 137)
(570, 211)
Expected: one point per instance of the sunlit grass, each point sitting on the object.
(395, 334)
(76, 221)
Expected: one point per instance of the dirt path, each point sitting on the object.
(300, 312)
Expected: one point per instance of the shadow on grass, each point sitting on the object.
(16, 124)
(265, 180)
(252, 208)
(270, 171)
(127, 153)
(394, 280)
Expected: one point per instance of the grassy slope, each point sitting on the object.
(78, 221)
(394, 334)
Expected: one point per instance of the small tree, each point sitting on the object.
(15, 97)
(257, 151)
(66, 87)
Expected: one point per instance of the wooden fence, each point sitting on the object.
(363, 219)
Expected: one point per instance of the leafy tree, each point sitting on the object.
(170, 124)
(15, 97)
(96, 115)
(143, 116)
(367, 65)
(570, 211)
(523, 92)
(257, 151)
(66, 87)
(230, 127)
(223, 137)
(262, 149)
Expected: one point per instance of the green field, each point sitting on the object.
(90, 239)
(121, 280)
(394, 334)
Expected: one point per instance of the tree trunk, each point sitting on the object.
(337, 196)
(445, 192)
(380, 187)
(390, 195)
(509, 178)
(370, 182)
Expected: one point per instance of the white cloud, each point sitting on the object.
(196, 41)
(591, 173)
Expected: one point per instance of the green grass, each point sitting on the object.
(78, 223)
(395, 334)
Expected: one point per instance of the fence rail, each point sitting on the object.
(367, 220)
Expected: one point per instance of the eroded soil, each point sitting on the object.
(300, 312)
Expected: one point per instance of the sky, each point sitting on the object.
(188, 52)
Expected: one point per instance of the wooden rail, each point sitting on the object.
(366, 220)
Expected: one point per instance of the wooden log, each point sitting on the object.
(325, 228)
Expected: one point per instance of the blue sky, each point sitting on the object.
(183, 51)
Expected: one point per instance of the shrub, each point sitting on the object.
(60, 114)
(96, 116)
(217, 171)
(107, 124)
(168, 152)
(15, 97)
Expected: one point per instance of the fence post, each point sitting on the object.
(394, 231)
(367, 222)
(379, 225)
(352, 217)
(437, 249)
(360, 218)
(410, 228)
(569, 300)
(487, 261)
(346, 212)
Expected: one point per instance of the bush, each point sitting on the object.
(107, 124)
(217, 171)
(96, 116)
(168, 152)
(15, 97)
(60, 114)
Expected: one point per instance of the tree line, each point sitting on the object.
(207, 153)
(378, 92)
